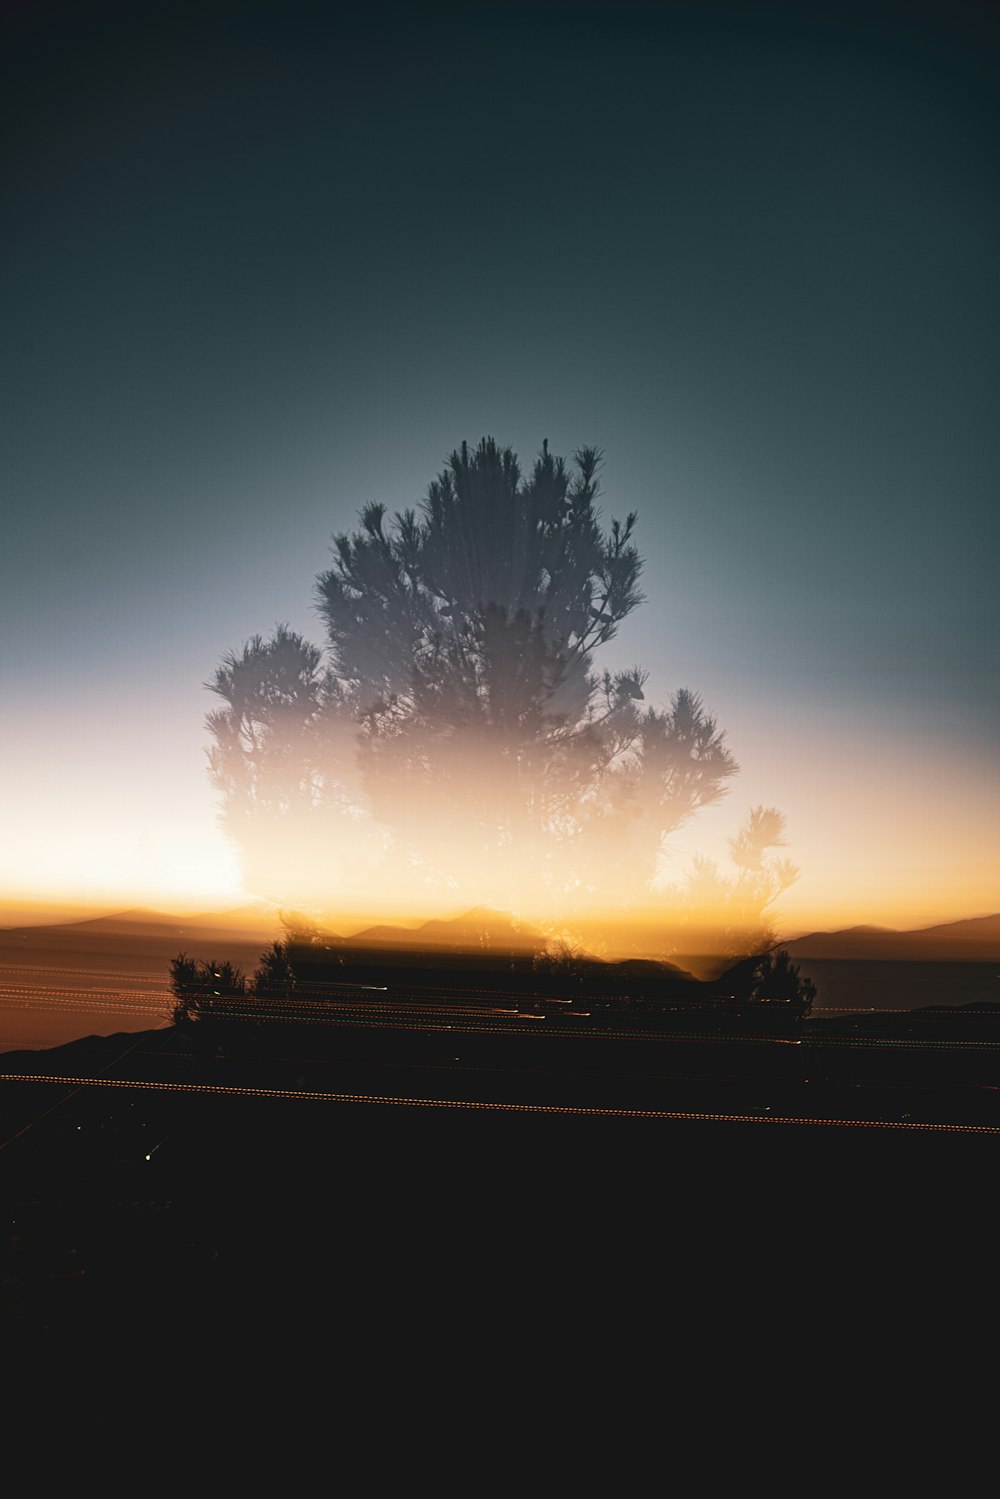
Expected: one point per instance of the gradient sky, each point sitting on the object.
(266, 262)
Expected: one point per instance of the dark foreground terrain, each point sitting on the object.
(162, 1169)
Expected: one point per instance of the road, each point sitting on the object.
(46, 1005)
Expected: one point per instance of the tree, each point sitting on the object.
(776, 977)
(284, 760)
(457, 735)
(274, 977)
(731, 916)
(769, 977)
(205, 989)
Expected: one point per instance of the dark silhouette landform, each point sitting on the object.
(517, 1023)
(416, 1080)
(973, 941)
(877, 969)
(61, 981)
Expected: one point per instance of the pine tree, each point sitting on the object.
(458, 735)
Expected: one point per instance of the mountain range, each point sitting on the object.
(480, 929)
(255, 919)
(976, 940)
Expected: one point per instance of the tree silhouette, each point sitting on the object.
(274, 977)
(732, 914)
(205, 989)
(457, 735)
(771, 976)
(777, 977)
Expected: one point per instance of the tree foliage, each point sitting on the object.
(770, 977)
(457, 731)
(731, 913)
(205, 989)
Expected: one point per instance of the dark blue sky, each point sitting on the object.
(266, 262)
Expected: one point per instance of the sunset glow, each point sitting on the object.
(862, 861)
(498, 622)
(227, 349)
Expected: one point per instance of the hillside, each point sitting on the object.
(976, 940)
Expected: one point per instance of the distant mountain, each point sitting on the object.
(258, 918)
(481, 929)
(975, 940)
(254, 919)
(975, 929)
(123, 939)
(138, 922)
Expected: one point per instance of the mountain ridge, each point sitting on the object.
(256, 918)
(976, 939)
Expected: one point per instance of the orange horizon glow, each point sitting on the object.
(652, 929)
(904, 847)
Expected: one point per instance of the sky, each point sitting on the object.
(265, 263)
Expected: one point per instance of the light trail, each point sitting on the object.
(455, 1064)
(427, 1017)
(69, 1006)
(25, 1043)
(90, 973)
(123, 996)
(302, 1095)
(903, 1043)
